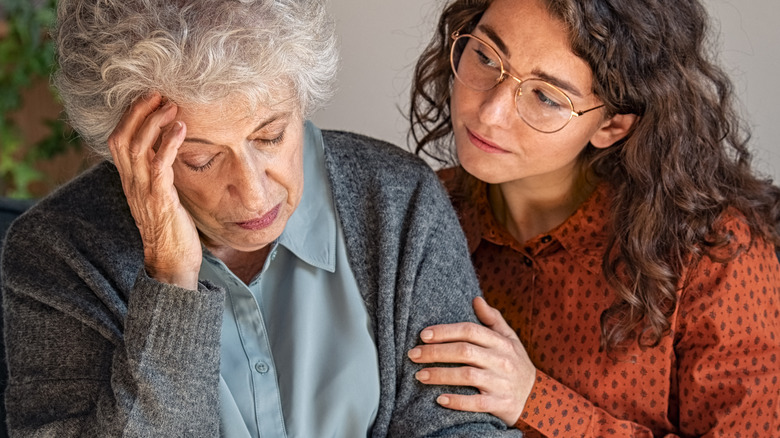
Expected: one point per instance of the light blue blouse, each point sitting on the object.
(298, 358)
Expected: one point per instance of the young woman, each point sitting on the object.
(614, 221)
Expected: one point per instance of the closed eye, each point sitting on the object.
(200, 167)
(274, 141)
(203, 167)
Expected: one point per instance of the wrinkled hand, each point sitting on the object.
(144, 146)
(495, 362)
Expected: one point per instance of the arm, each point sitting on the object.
(728, 378)
(78, 367)
(440, 288)
(727, 343)
(95, 346)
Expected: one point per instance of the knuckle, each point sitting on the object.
(470, 375)
(113, 142)
(465, 351)
(472, 331)
(135, 153)
(482, 403)
(156, 169)
(506, 365)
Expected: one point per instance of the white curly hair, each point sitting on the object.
(110, 52)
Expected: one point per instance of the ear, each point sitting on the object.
(613, 130)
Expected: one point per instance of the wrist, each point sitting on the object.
(184, 280)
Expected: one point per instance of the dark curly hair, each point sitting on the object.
(682, 166)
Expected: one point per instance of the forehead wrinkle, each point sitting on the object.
(262, 124)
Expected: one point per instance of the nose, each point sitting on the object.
(498, 104)
(247, 184)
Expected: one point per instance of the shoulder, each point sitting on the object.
(745, 261)
(348, 153)
(379, 186)
(94, 197)
(372, 174)
(733, 229)
(86, 219)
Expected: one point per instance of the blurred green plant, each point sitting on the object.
(26, 56)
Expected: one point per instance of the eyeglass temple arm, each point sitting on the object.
(579, 113)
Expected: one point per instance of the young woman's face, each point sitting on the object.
(493, 143)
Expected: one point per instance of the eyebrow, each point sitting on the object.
(263, 123)
(558, 82)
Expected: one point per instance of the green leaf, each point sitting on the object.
(26, 56)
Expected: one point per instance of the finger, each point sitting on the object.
(501, 408)
(492, 318)
(151, 129)
(170, 142)
(453, 352)
(461, 332)
(454, 376)
(469, 403)
(129, 123)
(138, 154)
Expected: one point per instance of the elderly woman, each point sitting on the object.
(230, 269)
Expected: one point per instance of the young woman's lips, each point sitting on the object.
(261, 222)
(484, 145)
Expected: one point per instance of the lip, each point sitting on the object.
(484, 145)
(263, 221)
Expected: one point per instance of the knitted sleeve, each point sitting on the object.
(96, 347)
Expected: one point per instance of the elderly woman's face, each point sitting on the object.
(240, 176)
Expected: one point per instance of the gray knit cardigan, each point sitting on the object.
(97, 348)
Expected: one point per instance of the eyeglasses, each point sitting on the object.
(541, 105)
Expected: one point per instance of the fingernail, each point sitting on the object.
(426, 335)
(423, 376)
(443, 400)
(415, 353)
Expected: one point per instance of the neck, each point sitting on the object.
(530, 208)
(245, 265)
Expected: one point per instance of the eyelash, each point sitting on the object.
(203, 168)
(276, 140)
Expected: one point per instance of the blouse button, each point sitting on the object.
(261, 367)
(546, 239)
(528, 261)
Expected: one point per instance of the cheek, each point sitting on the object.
(456, 103)
(295, 184)
(288, 173)
(197, 195)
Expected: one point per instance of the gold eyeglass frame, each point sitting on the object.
(504, 73)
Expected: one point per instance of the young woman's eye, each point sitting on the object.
(545, 100)
(485, 60)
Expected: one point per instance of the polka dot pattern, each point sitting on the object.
(716, 375)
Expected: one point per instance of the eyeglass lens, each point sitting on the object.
(479, 67)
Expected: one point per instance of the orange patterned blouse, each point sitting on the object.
(716, 375)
